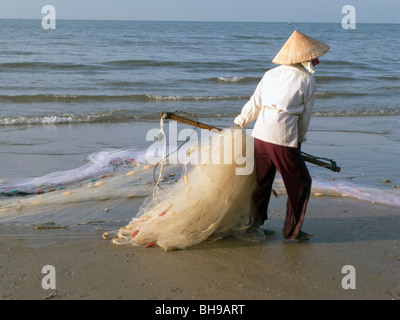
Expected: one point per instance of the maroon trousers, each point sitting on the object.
(296, 179)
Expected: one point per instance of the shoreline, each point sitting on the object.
(347, 232)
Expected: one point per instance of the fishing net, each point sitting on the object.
(205, 195)
(109, 179)
(211, 200)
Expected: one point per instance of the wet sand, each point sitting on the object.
(347, 232)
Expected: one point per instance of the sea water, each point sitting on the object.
(75, 99)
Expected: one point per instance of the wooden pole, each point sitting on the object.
(172, 116)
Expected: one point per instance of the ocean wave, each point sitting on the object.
(16, 53)
(168, 63)
(329, 79)
(357, 113)
(96, 164)
(124, 116)
(194, 98)
(234, 80)
(115, 116)
(391, 88)
(350, 64)
(329, 95)
(387, 77)
(357, 191)
(44, 65)
(96, 66)
(142, 63)
(218, 80)
(46, 98)
(43, 98)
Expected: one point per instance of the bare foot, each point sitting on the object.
(304, 236)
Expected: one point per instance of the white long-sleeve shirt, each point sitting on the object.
(282, 104)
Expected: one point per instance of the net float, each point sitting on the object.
(162, 213)
(135, 233)
(105, 235)
(186, 177)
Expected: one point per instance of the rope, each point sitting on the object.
(163, 160)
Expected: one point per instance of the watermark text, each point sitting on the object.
(49, 20)
(235, 147)
(349, 280)
(349, 20)
(49, 280)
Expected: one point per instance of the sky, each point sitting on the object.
(367, 11)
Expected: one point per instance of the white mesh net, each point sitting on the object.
(210, 201)
(204, 198)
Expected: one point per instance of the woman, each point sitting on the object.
(212, 201)
(282, 105)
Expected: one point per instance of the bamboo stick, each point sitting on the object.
(172, 116)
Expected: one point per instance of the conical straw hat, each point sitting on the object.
(300, 48)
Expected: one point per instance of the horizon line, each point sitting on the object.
(219, 21)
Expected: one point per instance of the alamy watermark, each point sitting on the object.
(349, 280)
(349, 20)
(49, 20)
(49, 280)
(234, 146)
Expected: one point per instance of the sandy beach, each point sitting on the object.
(347, 232)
